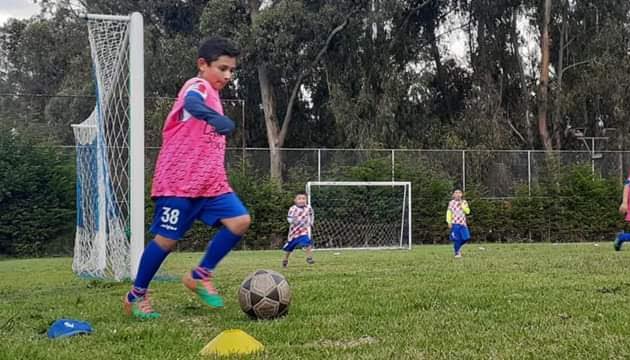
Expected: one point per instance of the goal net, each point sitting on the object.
(361, 215)
(110, 153)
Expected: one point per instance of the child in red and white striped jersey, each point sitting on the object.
(301, 218)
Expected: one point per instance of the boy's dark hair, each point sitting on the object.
(301, 193)
(212, 48)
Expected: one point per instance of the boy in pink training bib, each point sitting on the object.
(190, 182)
(623, 209)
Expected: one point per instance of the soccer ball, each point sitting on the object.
(264, 294)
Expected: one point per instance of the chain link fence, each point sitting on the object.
(497, 174)
(517, 195)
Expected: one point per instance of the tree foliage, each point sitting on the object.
(387, 78)
(37, 196)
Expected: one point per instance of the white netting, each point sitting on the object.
(360, 215)
(102, 237)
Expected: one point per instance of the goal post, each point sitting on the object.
(109, 237)
(136, 143)
(361, 214)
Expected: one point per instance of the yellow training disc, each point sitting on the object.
(230, 342)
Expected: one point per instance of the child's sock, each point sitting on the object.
(201, 273)
(152, 258)
(458, 246)
(136, 293)
(222, 243)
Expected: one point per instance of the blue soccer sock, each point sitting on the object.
(152, 258)
(624, 236)
(222, 243)
(458, 245)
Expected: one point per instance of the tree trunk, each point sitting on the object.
(543, 93)
(276, 162)
(376, 23)
(269, 109)
(529, 129)
(557, 116)
(271, 123)
(622, 129)
(471, 43)
(437, 58)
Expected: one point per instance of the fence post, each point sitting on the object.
(529, 190)
(393, 165)
(243, 123)
(243, 161)
(464, 170)
(319, 164)
(243, 145)
(593, 156)
(529, 172)
(621, 172)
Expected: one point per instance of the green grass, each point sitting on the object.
(542, 301)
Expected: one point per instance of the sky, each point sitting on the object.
(17, 9)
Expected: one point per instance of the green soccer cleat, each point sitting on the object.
(204, 289)
(140, 308)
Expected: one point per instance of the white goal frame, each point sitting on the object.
(407, 201)
(136, 158)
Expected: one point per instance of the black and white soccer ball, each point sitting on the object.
(265, 294)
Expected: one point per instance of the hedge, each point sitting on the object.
(37, 195)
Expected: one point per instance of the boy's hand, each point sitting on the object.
(450, 226)
(623, 208)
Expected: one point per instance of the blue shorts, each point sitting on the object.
(174, 216)
(300, 241)
(460, 233)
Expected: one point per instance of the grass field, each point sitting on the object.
(544, 301)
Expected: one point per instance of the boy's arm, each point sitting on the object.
(291, 216)
(194, 104)
(311, 216)
(465, 207)
(449, 217)
(623, 208)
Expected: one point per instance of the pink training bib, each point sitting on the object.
(191, 162)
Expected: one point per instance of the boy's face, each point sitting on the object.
(300, 200)
(219, 72)
(457, 195)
